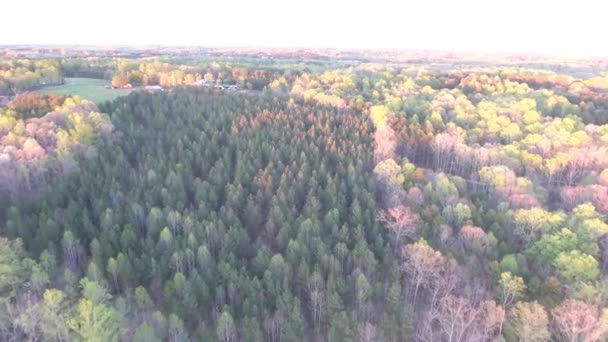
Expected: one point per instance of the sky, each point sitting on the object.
(561, 27)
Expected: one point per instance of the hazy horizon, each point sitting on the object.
(568, 29)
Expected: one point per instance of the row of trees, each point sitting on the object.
(169, 74)
(24, 74)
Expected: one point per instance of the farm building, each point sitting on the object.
(126, 86)
(154, 88)
(226, 86)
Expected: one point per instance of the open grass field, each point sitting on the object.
(87, 88)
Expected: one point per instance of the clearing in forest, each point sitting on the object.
(87, 88)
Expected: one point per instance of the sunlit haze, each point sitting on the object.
(571, 28)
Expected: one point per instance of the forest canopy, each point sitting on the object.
(337, 198)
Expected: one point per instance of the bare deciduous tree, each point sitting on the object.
(574, 320)
(458, 319)
(367, 332)
(316, 298)
(489, 321)
(422, 264)
(385, 143)
(400, 221)
(455, 316)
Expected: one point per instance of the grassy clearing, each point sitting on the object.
(87, 88)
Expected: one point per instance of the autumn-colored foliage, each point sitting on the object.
(348, 195)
